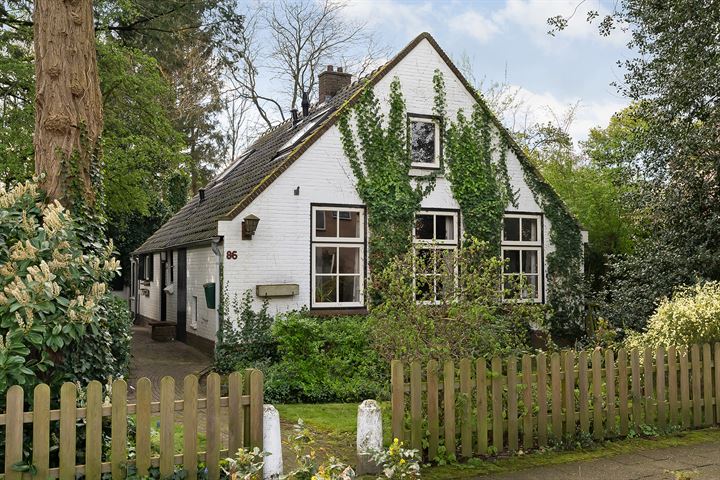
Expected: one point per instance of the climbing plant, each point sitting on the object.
(379, 156)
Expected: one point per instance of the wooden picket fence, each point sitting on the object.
(510, 404)
(244, 404)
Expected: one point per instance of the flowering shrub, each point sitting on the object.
(51, 289)
(691, 316)
(398, 462)
(247, 465)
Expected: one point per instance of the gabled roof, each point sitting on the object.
(273, 152)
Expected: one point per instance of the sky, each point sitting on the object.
(507, 41)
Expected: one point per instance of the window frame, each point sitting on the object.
(434, 244)
(520, 246)
(435, 120)
(338, 242)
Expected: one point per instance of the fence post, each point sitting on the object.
(272, 443)
(556, 396)
(369, 436)
(14, 431)
(527, 402)
(636, 391)
(433, 409)
(68, 418)
(41, 430)
(449, 406)
(610, 426)
(256, 409)
(672, 385)
(717, 382)
(235, 413)
(498, 433)
(142, 429)
(512, 409)
(707, 385)
(466, 420)
(598, 431)
(623, 391)
(542, 399)
(93, 432)
(482, 410)
(398, 398)
(696, 384)
(584, 386)
(684, 388)
(213, 426)
(416, 406)
(190, 456)
(569, 392)
(660, 385)
(649, 389)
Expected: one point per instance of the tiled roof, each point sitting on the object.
(271, 154)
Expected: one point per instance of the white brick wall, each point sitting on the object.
(201, 269)
(280, 250)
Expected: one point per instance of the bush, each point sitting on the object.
(459, 312)
(246, 339)
(105, 349)
(691, 316)
(324, 360)
(51, 288)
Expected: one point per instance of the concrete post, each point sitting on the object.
(273, 467)
(369, 436)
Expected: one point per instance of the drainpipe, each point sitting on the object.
(134, 287)
(218, 251)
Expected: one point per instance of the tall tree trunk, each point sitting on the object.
(68, 105)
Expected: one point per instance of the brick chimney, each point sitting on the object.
(331, 82)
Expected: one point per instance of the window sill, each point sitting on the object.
(337, 312)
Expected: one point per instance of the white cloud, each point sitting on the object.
(475, 25)
(410, 19)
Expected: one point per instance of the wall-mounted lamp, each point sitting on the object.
(163, 256)
(249, 226)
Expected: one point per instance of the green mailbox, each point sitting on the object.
(210, 295)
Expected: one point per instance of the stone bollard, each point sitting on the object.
(273, 467)
(369, 436)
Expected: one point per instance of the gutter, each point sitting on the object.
(218, 251)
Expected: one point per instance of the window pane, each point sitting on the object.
(511, 229)
(349, 224)
(325, 290)
(529, 229)
(424, 288)
(325, 223)
(530, 263)
(325, 260)
(444, 227)
(424, 227)
(446, 262)
(512, 261)
(425, 261)
(423, 142)
(532, 290)
(349, 260)
(350, 289)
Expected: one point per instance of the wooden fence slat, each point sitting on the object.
(623, 391)
(235, 412)
(256, 409)
(433, 409)
(569, 392)
(246, 411)
(610, 425)
(583, 385)
(696, 378)
(672, 385)
(68, 435)
(14, 405)
(636, 389)
(449, 406)
(93, 432)
(481, 405)
(660, 386)
(717, 382)
(556, 396)
(649, 399)
(167, 426)
(512, 410)
(142, 429)
(41, 430)
(542, 399)
(707, 385)
(118, 426)
(397, 378)
(466, 420)
(598, 431)
(528, 434)
(190, 428)
(684, 388)
(498, 433)
(213, 426)
(416, 406)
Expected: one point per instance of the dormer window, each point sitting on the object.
(424, 141)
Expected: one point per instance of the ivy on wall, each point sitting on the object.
(380, 160)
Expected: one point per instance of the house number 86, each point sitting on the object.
(231, 255)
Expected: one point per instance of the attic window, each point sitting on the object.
(424, 141)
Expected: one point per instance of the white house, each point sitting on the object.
(286, 212)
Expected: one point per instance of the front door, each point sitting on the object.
(181, 287)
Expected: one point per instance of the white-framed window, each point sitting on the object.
(424, 141)
(435, 243)
(338, 257)
(522, 253)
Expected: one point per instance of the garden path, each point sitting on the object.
(702, 460)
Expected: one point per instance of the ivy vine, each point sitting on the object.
(380, 160)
